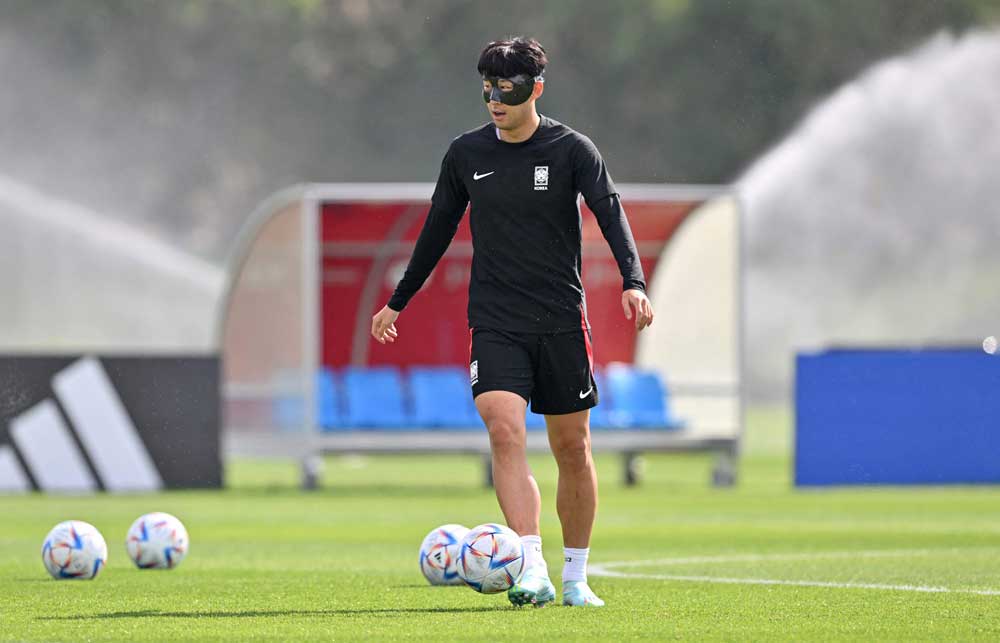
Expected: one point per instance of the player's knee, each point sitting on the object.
(505, 435)
(572, 451)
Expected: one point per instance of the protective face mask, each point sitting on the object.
(523, 85)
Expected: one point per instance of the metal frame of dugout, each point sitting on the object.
(630, 444)
(295, 213)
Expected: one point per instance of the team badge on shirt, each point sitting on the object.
(541, 177)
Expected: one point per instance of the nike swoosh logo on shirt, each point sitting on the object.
(476, 175)
(585, 394)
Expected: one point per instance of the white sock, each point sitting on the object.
(533, 551)
(575, 568)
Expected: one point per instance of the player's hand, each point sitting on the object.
(384, 325)
(643, 309)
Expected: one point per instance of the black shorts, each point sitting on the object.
(554, 372)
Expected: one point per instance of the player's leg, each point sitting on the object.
(502, 374)
(516, 489)
(576, 500)
(517, 492)
(503, 378)
(565, 391)
(576, 496)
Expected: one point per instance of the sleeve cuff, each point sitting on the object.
(633, 285)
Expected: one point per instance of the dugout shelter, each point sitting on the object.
(314, 263)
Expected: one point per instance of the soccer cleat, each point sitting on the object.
(534, 588)
(578, 593)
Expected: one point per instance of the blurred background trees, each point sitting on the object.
(180, 116)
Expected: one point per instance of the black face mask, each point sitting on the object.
(523, 85)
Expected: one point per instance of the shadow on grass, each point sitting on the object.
(397, 611)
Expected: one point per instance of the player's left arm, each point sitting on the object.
(598, 190)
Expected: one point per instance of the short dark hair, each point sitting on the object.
(512, 56)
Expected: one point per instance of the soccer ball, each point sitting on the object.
(157, 541)
(74, 549)
(439, 554)
(491, 559)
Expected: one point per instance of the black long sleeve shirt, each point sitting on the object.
(526, 227)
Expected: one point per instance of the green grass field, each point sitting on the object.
(682, 560)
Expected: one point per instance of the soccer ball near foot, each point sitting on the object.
(74, 549)
(157, 541)
(439, 554)
(491, 558)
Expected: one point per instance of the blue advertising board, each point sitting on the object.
(880, 416)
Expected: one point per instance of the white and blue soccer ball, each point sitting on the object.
(439, 554)
(157, 541)
(74, 549)
(491, 558)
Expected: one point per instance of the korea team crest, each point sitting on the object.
(541, 177)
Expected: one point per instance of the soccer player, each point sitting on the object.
(530, 339)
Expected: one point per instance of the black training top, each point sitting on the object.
(525, 220)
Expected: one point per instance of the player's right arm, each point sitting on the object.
(447, 208)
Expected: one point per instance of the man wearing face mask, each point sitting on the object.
(530, 338)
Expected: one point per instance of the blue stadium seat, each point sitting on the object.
(375, 398)
(638, 398)
(441, 398)
(328, 400)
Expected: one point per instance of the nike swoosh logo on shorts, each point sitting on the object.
(585, 394)
(476, 175)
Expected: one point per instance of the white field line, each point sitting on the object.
(750, 558)
(607, 570)
(799, 583)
